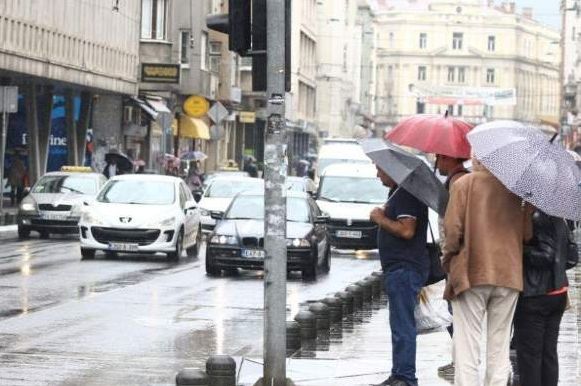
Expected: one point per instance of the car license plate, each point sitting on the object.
(349, 234)
(253, 253)
(123, 247)
(54, 216)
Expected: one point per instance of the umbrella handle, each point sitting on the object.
(393, 194)
(553, 138)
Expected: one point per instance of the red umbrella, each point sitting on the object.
(433, 134)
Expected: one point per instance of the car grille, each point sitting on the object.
(354, 223)
(62, 223)
(133, 236)
(58, 208)
(253, 242)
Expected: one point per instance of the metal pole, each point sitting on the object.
(3, 149)
(275, 201)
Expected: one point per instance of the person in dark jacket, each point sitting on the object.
(542, 303)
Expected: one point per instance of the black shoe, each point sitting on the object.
(388, 382)
(446, 370)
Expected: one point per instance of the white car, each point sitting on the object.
(141, 213)
(219, 194)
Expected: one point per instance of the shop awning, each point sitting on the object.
(145, 107)
(159, 106)
(192, 128)
(549, 120)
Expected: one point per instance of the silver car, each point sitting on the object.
(55, 201)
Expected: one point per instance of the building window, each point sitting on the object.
(185, 48)
(459, 110)
(391, 38)
(451, 74)
(450, 110)
(153, 19)
(461, 74)
(423, 40)
(491, 43)
(204, 59)
(457, 38)
(215, 56)
(421, 73)
(490, 76)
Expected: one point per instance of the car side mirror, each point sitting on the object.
(217, 215)
(323, 219)
(190, 205)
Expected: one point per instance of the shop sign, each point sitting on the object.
(247, 117)
(196, 106)
(160, 73)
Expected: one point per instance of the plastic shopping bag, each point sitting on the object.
(431, 313)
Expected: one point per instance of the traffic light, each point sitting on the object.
(245, 25)
(236, 24)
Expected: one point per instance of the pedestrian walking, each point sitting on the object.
(453, 168)
(542, 303)
(195, 176)
(250, 167)
(485, 225)
(16, 180)
(401, 238)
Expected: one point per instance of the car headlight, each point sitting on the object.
(91, 219)
(298, 243)
(28, 207)
(223, 240)
(168, 222)
(204, 212)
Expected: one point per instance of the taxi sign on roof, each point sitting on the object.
(76, 169)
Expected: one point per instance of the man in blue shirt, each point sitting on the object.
(402, 230)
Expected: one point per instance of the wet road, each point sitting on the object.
(132, 320)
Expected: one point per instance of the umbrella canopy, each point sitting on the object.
(193, 156)
(530, 165)
(433, 134)
(408, 171)
(123, 161)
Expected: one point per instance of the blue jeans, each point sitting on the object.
(403, 286)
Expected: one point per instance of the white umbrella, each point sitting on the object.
(530, 165)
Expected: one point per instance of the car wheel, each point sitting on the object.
(327, 260)
(87, 254)
(175, 255)
(110, 254)
(211, 269)
(23, 232)
(310, 272)
(44, 235)
(195, 249)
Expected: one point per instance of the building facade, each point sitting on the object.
(71, 73)
(571, 80)
(339, 68)
(471, 58)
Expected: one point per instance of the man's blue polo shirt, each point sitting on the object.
(396, 252)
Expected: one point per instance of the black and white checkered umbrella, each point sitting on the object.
(531, 165)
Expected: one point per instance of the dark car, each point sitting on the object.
(238, 239)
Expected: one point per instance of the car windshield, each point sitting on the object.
(227, 188)
(352, 189)
(296, 184)
(325, 162)
(66, 184)
(252, 208)
(138, 192)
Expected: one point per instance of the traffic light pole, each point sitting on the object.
(275, 201)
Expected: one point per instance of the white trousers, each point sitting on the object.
(469, 308)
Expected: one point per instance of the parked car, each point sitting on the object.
(220, 192)
(223, 173)
(238, 240)
(54, 202)
(142, 213)
(340, 152)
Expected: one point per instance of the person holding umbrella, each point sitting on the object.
(402, 233)
(446, 137)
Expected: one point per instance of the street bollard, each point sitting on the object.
(365, 290)
(356, 291)
(335, 308)
(347, 301)
(308, 324)
(192, 377)
(322, 316)
(221, 370)
(293, 337)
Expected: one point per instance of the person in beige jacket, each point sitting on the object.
(485, 225)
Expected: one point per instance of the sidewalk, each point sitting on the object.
(361, 354)
(8, 228)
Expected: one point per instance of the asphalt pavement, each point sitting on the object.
(138, 320)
